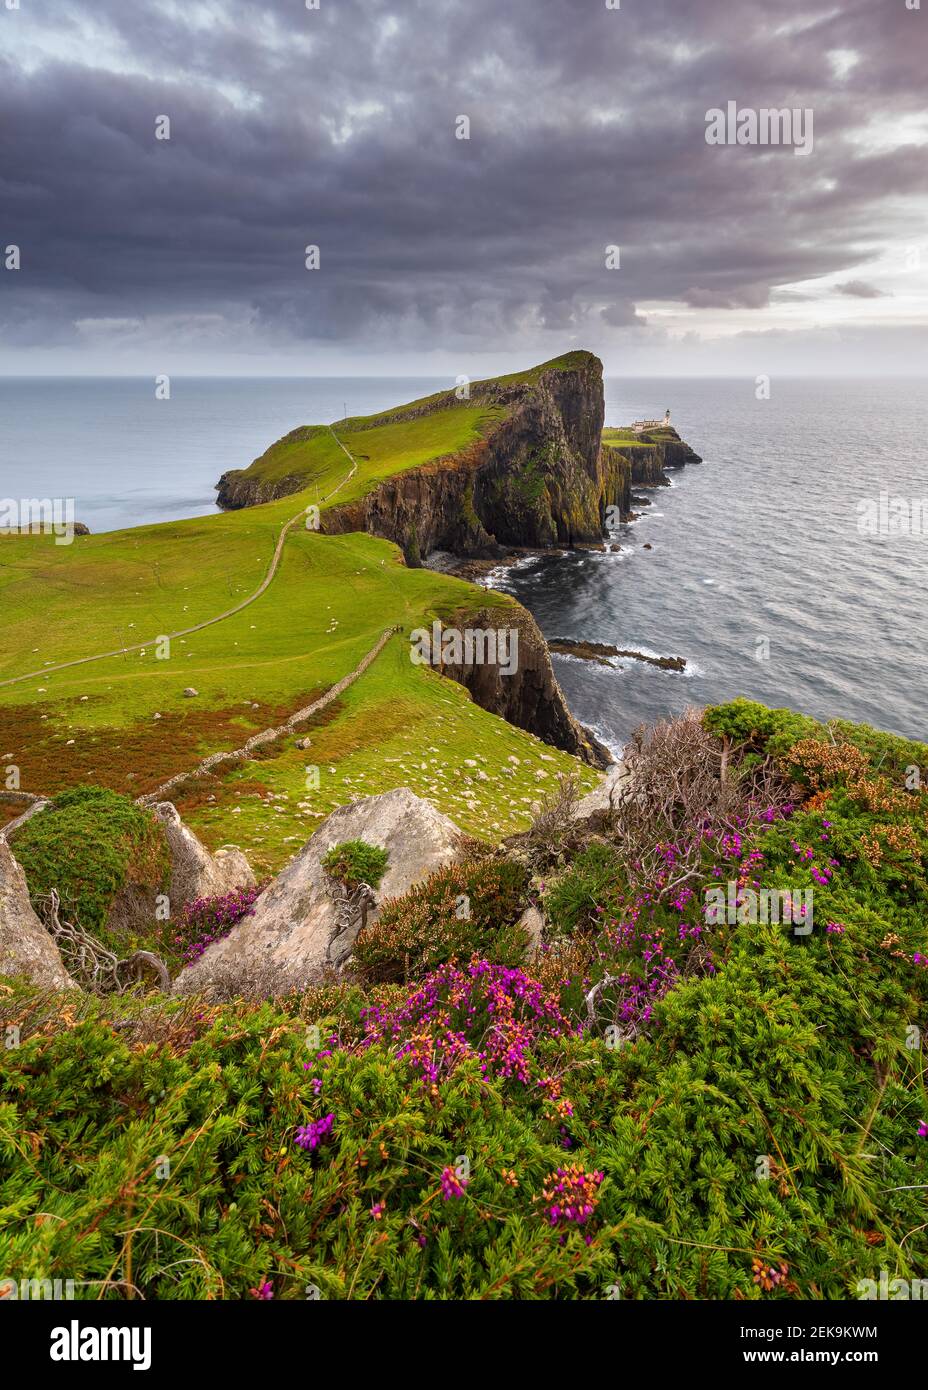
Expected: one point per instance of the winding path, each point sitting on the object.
(208, 622)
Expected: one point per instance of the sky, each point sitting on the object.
(339, 124)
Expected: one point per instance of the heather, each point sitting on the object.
(459, 910)
(659, 1104)
(205, 921)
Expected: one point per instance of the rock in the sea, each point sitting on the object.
(195, 872)
(26, 948)
(297, 931)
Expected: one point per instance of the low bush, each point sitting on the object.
(354, 862)
(662, 1106)
(88, 845)
(461, 909)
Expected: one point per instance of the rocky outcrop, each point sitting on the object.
(656, 453)
(532, 923)
(536, 479)
(614, 787)
(528, 696)
(247, 487)
(195, 872)
(33, 805)
(604, 654)
(26, 948)
(236, 489)
(298, 932)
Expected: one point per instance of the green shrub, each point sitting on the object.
(578, 897)
(461, 909)
(88, 844)
(768, 1114)
(354, 862)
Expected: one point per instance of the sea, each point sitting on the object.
(790, 566)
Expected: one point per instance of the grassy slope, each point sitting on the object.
(330, 601)
(623, 439)
(313, 453)
(384, 447)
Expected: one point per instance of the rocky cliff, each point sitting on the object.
(655, 453)
(530, 696)
(539, 476)
(536, 479)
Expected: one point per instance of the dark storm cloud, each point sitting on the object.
(336, 127)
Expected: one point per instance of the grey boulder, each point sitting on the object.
(26, 948)
(298, 932)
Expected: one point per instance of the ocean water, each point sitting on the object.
(758, 573)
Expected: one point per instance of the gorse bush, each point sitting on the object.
(577, 898)
(461, 909)
(88, 845)
(731, 1112)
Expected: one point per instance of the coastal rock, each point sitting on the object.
(195, 872)
(604, 654)
(297, 932)
(26, 948)
(530, 697)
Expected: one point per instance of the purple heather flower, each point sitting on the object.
(451, 1184)
(311, 1136)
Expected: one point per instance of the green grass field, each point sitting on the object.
(623, 439)
(313, 454)
(124, 721)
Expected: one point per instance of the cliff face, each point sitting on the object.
(666, 450)
(530, 697)
(235, 490)
(618, 476)
(538, 478)
(248, 487)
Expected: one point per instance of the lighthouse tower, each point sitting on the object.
(667, 417)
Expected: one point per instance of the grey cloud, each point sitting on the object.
(859, 289)
(336, 127)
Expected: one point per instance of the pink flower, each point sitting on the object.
(451, 1184)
